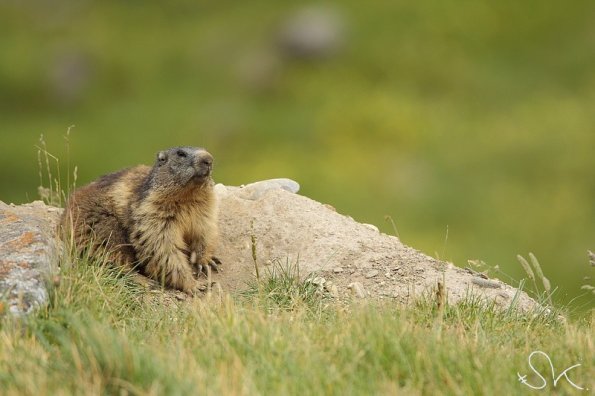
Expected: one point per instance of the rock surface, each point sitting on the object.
(28, 255)
(356, 259)
(347, 259)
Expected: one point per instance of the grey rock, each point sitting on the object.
(292, 228)
(255, 191)
(28, 255)
(371, 274)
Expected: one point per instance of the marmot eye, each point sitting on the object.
(181, 153)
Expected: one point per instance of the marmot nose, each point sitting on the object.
(205, 159)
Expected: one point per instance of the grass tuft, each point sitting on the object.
(49, 170)
(282, 288)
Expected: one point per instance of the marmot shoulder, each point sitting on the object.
(161, 220)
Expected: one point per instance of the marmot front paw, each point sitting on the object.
(209, 263)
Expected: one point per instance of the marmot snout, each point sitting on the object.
(160, 219)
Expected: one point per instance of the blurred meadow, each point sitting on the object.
(470, 124)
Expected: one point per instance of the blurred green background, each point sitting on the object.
(471, 123)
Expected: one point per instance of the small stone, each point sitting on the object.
(337, 270)
(503, 295)
(319, 281)
(387, 274)
(486, 283)
(372, 274)
(358, 289)
(334, 291)
(255, 191)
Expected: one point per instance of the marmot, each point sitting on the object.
(161, 220)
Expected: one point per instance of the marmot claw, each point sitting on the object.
(212, 263)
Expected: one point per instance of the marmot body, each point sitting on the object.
(161, 219)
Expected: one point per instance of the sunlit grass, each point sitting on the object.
(103, 334)
(476, 116)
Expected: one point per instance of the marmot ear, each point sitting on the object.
(162, 157)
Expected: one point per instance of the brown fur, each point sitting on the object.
(161, 219)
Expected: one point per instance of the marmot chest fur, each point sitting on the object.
(161, 219)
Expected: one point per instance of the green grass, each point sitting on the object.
(102, 334)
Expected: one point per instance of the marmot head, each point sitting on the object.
(183, 166)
